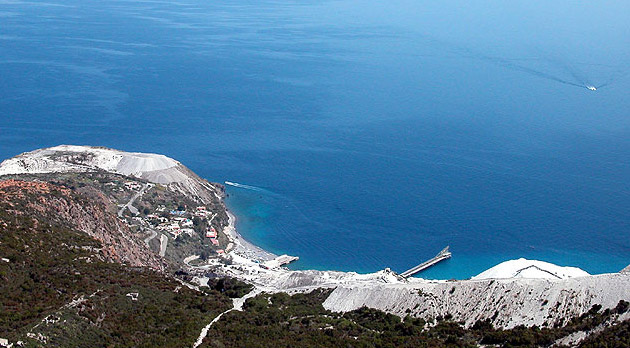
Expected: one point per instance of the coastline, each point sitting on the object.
(465, 265)
(247, 254)
(467, 301)
(242, 246)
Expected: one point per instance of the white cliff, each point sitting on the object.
(505, 302)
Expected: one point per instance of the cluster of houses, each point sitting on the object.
(175, 222)
(127, 186)
(133, 185)
(176, 226)
(180, 222)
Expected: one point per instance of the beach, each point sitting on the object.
(242, 247)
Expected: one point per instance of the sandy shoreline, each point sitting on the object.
(242, 246)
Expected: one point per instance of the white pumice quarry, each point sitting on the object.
(506, 302)
(153, 168)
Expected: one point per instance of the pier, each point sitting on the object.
(279, 261)
(443, 255)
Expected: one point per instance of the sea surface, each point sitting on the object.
(368, 134)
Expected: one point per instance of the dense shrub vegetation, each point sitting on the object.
(229, 287)
(280, 320)
(615, 337)
(57, 287)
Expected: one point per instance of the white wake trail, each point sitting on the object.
(243, 186)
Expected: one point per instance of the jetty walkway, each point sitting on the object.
(443, 255)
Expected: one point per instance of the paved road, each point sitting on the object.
(150, 238)
(163, 244)
(238, 306)
(133, 199)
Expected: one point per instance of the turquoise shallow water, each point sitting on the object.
(372, 133)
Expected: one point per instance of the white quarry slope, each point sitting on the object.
(541, 301)
(150, 167)
(523, 268)
(505, 302)
(70, 158)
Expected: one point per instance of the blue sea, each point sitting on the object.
(370, 134)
